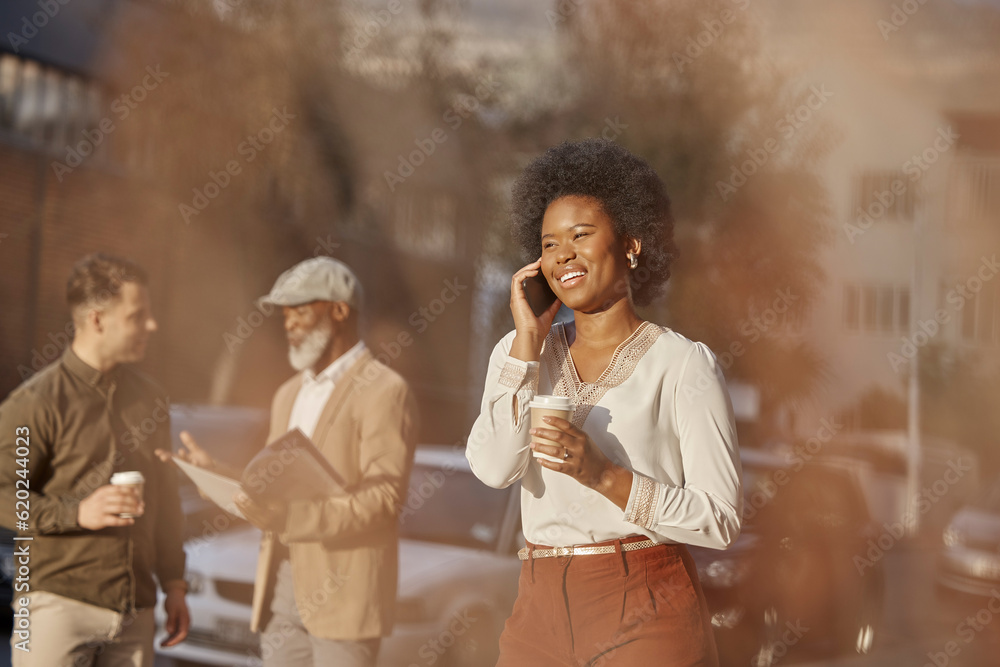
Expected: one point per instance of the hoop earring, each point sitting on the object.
(633, 260)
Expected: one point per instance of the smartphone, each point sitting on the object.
(540, 296)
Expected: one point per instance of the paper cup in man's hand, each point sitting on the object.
(133, 479)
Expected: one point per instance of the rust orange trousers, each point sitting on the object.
(642, 607)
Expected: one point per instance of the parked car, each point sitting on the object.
(969, 560)
(457, 580)
(789, 587)
(791, 567)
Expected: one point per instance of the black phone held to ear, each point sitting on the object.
(540, 296)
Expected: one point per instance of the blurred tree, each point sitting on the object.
(959, 395)
(372, 145)
(250, 160)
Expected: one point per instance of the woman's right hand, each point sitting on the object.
(531, 330)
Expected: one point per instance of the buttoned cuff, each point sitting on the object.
(518, 374)
(642, 501)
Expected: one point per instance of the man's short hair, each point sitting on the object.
(97, 279)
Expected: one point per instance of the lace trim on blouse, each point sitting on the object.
(641, 513)
(585, 395)
(513, 375)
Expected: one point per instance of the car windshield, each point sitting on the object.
(452, 507)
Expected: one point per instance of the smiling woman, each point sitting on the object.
(631, 199)
(646, 461)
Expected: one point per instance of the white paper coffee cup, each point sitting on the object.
(131, 478)
(554, 406)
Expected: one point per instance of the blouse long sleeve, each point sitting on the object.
(498, 447)
(707, 510)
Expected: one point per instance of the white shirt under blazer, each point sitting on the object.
(660, 409)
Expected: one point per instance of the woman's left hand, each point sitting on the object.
(581, 459)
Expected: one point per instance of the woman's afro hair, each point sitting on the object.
(629, 191)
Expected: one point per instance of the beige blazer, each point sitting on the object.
(343, 550)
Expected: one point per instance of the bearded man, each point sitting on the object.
(325, 591)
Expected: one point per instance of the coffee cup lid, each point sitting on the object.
(551, 402)
(128, 477)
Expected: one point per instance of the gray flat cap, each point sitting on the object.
(317, 279)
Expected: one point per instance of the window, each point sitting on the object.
(10, 83)
(981, 317)
(869, 306)
(903, 312)
(426, 224)
(886, 308)
(884, 195)
(876, 308)
(974, 192)
(50, 108)
(852, 306)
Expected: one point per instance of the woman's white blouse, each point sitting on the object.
(660, 409)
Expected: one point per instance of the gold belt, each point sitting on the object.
(583, 551)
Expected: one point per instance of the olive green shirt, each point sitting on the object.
(80, 426)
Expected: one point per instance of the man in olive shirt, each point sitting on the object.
(89, 595)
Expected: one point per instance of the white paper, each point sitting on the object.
(220, 489)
